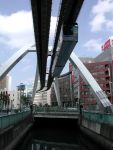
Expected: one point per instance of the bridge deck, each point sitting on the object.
(70, 115)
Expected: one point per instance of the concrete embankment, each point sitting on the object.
(100, 133)
(11, 136)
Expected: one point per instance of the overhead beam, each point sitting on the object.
(68, 13)
(41, 11)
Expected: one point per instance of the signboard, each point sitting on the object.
(108, 44)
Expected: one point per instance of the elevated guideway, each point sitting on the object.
(41, 11)
(68, 13)
(65, 40)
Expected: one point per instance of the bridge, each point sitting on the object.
(56, 112)
(66, 38)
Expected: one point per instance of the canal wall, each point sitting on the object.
(100, 133)
(11, 136)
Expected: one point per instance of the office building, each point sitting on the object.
(14, 99)
(65, 87)
(5, 83)
(101, 68)
(43, 97)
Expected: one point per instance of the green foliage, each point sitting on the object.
(24, 100)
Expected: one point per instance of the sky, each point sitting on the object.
(16, 30)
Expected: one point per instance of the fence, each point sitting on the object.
(12, 119)
(54, 109)
(98, 117)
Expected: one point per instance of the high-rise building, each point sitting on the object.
(5, 83)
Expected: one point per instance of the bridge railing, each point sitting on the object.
(98, 117)
(54, 109)
(12, 119)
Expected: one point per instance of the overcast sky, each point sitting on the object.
(16, 30)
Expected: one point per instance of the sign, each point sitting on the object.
(108, 44)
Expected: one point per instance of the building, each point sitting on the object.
(107, 55)
(29, 89)
(14, 99)
(101, 68)
(53, 96)
(75, 79)
(5, 83)
(102, 72)
(43, 97)
(65, 87)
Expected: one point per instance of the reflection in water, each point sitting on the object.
(55, 134)
(47, 139)
(54, 139)
(44, 145)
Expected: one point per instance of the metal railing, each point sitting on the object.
(54, 109)
(12, 119)
(90, 115)
(98, 117)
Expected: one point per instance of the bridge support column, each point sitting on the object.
(57, 91)
(35, 83)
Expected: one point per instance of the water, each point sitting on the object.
(57, 137)
(49, 139)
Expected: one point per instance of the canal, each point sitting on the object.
(56, 134)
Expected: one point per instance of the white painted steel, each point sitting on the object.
(35, 82)
(12, 61)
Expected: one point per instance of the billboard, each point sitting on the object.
(108, 44)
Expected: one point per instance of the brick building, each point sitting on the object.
(102, 70)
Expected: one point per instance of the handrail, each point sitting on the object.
(54, 109)
(98, 117)
(12, 119)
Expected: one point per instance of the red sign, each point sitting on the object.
(106, 46)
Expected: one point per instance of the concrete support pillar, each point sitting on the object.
(35, 82)
(57, 91)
